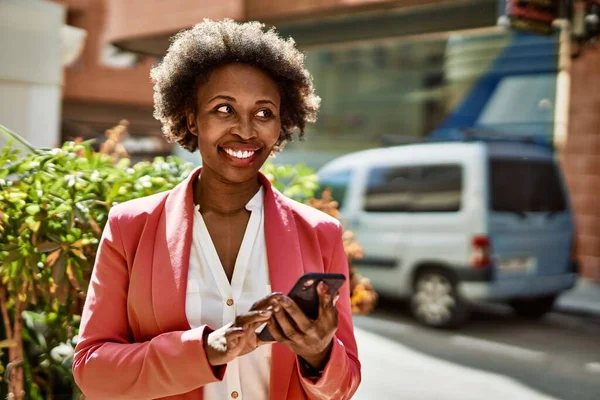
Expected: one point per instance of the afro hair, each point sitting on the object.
(194, 53)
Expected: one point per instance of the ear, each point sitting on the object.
(191, 123)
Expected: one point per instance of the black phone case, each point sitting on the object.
(304, 293)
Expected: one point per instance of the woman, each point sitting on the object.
(184, 279)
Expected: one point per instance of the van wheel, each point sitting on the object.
(435, 301)
(533, 308)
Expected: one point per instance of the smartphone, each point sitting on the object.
(304, 293)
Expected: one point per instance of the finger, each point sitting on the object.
(325, 300)
(235, 333)
(335, 299)
(285, 323)
(334, 319)
(259, 341)
(234, 338)
(276, 332)
(300, 319)
(252, 317)
(266, 302)
(219, 340)
(253, 329)
(255, 325)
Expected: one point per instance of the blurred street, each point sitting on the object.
(496, 354)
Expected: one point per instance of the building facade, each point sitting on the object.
(389, 71)
(581, 157)
(105, 85)
(30, 90)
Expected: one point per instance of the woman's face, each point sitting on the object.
(237, 121)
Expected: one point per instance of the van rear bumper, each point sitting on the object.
(506, 289)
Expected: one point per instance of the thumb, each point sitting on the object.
(253, 329)
(324, 297)
(234, 337)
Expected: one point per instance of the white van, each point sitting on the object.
(449, 223)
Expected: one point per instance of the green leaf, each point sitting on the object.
(34, 225)
(59, 268)
(52, 317)
(78, 254)
(36, 324)
(14, 196)
(71, 274)
(123, 163)
(114, 191)
(12, 136)
(12, 256)
(47, 247)
(33, 209)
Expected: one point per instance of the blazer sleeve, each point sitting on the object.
(107, 365)
(341, 376)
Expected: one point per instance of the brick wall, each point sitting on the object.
(88, 80)
(581, 158)
(147, 18)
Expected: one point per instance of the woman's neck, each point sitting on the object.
(214, 194)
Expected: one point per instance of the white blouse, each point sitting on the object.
(213, 301)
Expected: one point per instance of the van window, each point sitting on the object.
(438, 189)
(525, 186)
(435, 188)
(338, 181)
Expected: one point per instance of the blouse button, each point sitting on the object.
(234, 395)
(230, 303)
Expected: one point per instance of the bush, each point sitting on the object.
(55, 204)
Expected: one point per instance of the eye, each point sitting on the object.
(264, 113)
(226, 109)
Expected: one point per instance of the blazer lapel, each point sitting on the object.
(285, 267)
(172, 256)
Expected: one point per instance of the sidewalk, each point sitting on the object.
(584, 298)
(391, 370)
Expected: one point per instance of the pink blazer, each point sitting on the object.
(135, 341)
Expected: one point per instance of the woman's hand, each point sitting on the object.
(235, 339)
(311, 340)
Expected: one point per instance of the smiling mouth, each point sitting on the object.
(240, 154)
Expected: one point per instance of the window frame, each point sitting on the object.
(415, 172)
(556, 170)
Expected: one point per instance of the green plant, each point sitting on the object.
(50, 351)
(54, 204)
(298, 182)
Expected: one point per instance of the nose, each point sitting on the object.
(244, 129)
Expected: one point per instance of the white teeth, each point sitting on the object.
(239, 153)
